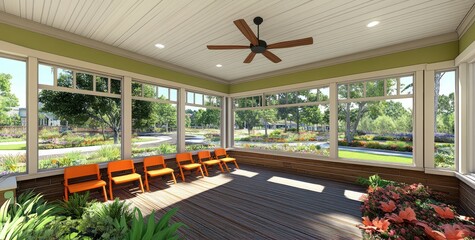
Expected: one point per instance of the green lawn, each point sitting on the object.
(374, 157)
(21, 146)
(11, 139)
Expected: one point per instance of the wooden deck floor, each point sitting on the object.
(254, 203)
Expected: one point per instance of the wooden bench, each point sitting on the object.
(83, 171)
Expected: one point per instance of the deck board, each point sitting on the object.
(245, 204)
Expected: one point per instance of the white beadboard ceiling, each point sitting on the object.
(185, 27)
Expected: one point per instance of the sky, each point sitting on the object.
(18, 71)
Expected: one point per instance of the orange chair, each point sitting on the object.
(220, 154)
(83, 171)
(119, 166)
(156, 161)
(186, 157)
(206, 160)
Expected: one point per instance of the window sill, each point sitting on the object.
(328, 159)
(443, 172)
(468, 179)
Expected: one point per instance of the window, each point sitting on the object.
(295, 121)
(79, 117)
(444, 119)
(203, 121)
(375, 120)
(154, 120)
(13, 119)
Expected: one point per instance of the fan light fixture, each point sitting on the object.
(160, 46)
(372, 24)
(257, 45)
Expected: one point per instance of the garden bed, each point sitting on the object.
(400, 211)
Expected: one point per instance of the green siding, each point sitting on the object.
(431, 54)
(56, 46)
(467, 38)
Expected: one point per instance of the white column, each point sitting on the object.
(181, 120)
(32, 115)
(462, 118)
(333, 121)
(230, 125)
(224, 123)
(429, 86)
(126, 117)
(418, 124)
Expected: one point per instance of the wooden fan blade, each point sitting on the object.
(250, 57)
(246, 31)
(225, 47)
(291, 43)
(271, 56)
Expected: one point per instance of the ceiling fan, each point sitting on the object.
(258, 45)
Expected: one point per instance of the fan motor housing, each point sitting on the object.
(259, 48)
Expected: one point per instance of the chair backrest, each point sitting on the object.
(153, 161)
(81, 171)
(220, 152)
(121, 165)
(184, 157)
(204, 155)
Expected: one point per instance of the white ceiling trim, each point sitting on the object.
(467, 21)
(74, 38)
(425, 42)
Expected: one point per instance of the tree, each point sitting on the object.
(8, 100)
(312, 115)
(268, 116)
(211, 117)
(384, 125)
(250, 119)
(78, 109)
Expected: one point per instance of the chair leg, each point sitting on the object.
(221, 167)
(104, 192)
(66, 197)
(206, 170)
(226, 165)
(146, 182)
(235, 163)
(182, 175)
(174, 179)
(201, 170)
(141, 185)
(110, 190)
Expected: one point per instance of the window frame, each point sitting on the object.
(429, 94)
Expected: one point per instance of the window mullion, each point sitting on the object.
(32, 115)
(126, 118)
(333, 120)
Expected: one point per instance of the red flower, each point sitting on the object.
(395, 196)
(366, 221)
(432, 233)
(382, 224)
(455, 232)
(395, 218)
(446, 212)
(408, 214)
(388, 207)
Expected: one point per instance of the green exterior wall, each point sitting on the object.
(56, 46)
(467, 38)
(431, 54)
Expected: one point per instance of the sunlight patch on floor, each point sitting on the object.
(297, 184)
(244, 173)
(353, 195)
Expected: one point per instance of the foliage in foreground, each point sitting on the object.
(33, 218)
(400, 211)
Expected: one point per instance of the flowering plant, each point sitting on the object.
(402, 211)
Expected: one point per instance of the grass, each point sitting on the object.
(11, 139)
(374, 157)
(20, 146)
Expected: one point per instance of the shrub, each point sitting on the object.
(102, 221)
(149, 230)
(11, 163)
(49, 134)
(444, 138)
(108, 153)
(29, 218)
(76, 205)
(275, 133)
